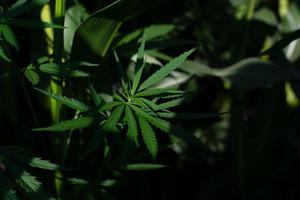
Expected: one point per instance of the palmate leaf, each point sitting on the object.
(155, 121)
(148, 136)
(143, 166)
(9, 36)
(166, 70)
(80, 122)
(132, 132)
(139, 65)
(69, 102)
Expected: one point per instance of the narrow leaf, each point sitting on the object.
(166, 70)
(143, 166)
(69, 102)
(139, 65)
(148, 137)
(132, 132)
(155, 121)
(80, 122)
(112, 121)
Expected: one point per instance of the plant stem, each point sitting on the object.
(57, 84)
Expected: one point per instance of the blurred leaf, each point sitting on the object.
(286, 40)
(143, 166)
(30, 23)
(32, 76)
(9, 36)
(56, 70)
(266, 16)
(20, 7)
(74, 16)
(3, 55)
(249, 73)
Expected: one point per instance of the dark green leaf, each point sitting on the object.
(80, 122)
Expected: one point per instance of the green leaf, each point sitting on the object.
(69, 102)
(143, 166)
(148, 136)
(164, 71)
(30, 23)
(286, 40)
(56, 70)
(109, 105)
(159, 30)
(132, 132)
(80, 122)
(187, 116)
(249, 73)
(158, 92)
(73, 18)
(77, 181)
(95, 35)
(20, 7)
(10, 195)
(42, 164)
(32, 76)
(139, 65)
(159, 123)
(112, 121)
(169, 104)
(9, 36)
(3, 55)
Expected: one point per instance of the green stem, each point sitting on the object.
(57, 84)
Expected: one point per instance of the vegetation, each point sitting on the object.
(133, 99)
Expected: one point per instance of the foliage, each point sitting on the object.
(133, 99)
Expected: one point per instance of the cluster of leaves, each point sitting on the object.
(10, 17)
(135, 100)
